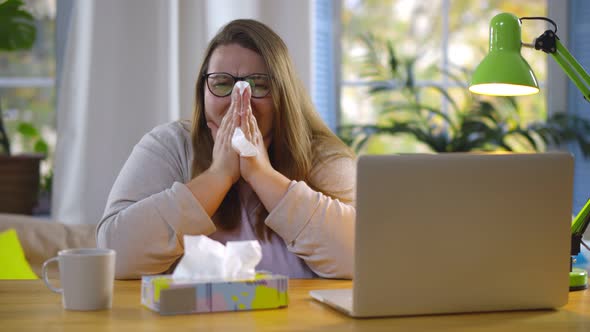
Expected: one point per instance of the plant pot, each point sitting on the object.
(19, 183)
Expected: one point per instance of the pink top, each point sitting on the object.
(149, 210)
(274, 256)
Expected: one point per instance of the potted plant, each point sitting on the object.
(476, 124)
(19, 174)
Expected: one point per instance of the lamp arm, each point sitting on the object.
(573, 69)
(579, 226)
(548, 42)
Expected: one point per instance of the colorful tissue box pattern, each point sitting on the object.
(167, 296)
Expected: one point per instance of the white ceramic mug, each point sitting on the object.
(86, 276)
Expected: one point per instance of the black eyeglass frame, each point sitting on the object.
(236, 79)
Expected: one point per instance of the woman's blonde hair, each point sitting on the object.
(300, 139)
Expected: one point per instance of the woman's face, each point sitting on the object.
(240, 62)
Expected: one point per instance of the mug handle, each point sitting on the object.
(44, 275)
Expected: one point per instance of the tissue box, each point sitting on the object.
(167, 296)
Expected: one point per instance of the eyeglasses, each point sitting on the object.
(222, 84)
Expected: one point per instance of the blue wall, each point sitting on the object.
(579, 46)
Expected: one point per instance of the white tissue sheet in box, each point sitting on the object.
(205, 258)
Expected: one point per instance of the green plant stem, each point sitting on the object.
(3, 136)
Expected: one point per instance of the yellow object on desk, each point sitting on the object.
(13, 264)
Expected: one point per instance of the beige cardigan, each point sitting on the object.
(150, 208)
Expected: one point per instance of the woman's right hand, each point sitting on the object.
(226, 162)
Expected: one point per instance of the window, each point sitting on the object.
(443, 36)
(27, 84)
(325, 58)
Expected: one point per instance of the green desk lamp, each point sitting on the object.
(504, 72)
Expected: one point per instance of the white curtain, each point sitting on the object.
(131, 65)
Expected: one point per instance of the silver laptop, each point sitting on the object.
(454, 233)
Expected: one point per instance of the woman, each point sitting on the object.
(295, 196)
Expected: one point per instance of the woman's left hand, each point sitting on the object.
(259, 165)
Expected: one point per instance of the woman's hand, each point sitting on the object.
(226, 162)
(259, 165)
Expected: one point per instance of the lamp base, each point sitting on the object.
(578, 279)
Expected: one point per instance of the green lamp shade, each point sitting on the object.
(504, 72)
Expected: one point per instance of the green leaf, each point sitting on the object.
(361, 143)
(17, 26)
(47, 182)
(528, 137)
(547, 134)
(4, 142)
(41, 147)
(28, 130)
(445, 94)
(511, 100)
(487, 110)
(380, 88)
(393, 63)
(459, 81)
(410, 80)
(584, 146)
(372, 57)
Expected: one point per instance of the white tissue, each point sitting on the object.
(207, 259)
(241, 85)
(238, 140)
(241, 145)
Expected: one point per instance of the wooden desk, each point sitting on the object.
(28, 305)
